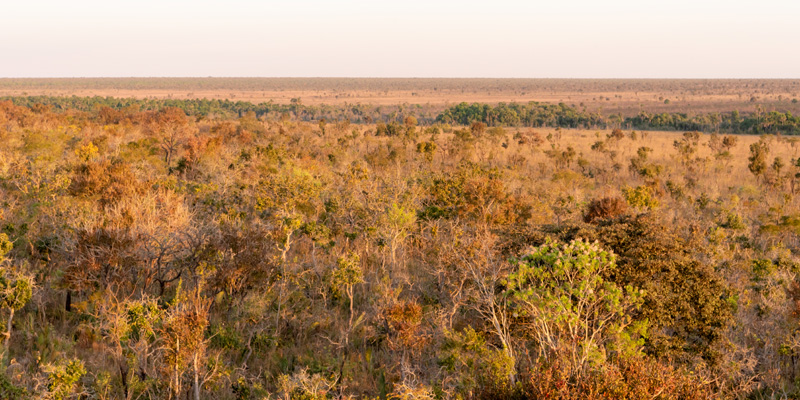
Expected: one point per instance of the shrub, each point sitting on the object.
(473, 192)
(605, 208)
(733, 221)
(630, 378)
(110, 180)
(86, 152)
(9, 391)
(641, 197)
(305, 386)
(404, 320)
(470, 363)
(427, 149)
(616, 135)
(15, 290)
(62, 379)
(477, 129)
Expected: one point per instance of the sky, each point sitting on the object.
(412, 38)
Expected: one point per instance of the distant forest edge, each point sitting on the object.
(531, 114)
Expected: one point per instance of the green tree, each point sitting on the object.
(346, 275)
(572, 312)
(399, 221)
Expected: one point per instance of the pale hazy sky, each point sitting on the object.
(412, 38)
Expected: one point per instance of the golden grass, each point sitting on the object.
(605, 96)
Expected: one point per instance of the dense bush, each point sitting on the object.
(605, 208)
(686, 302)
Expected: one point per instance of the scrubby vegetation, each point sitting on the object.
(154, 252)
(536, 114)
(530, 114)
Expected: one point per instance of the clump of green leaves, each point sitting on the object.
(16, 289)
(427, 149)
(473, 363)
(87, 152)
(572, 311)
(63, 379)
(641, 197)
(733, 221)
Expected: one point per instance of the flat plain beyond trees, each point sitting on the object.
(608, 96)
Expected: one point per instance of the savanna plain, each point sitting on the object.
(293, 238)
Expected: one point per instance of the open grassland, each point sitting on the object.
(608, 96)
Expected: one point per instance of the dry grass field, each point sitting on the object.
(664, 151)
(720, 178)
(608, 96)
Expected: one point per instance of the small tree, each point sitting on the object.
(477, 128)
(758, 158)
(184, 343)
(322, 125)
(687, 146)
(173, 127)
(574, 314)
(723, 148)
(16, 290)
(346, 275)
(399, 222)
(427, 149)
(777, 166)
(647, 170)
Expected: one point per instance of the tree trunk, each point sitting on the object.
(177, 374)
(123, 377)
(5, 354)
(8, 326)
(196, 379)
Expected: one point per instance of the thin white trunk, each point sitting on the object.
(196, 378)
(8, 337)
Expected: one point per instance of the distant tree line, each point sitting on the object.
(532, 114)
(536, 114)
(356, 113)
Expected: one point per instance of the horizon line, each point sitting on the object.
(393, 77)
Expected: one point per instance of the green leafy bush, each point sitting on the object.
(63, 379)
(560, 294)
